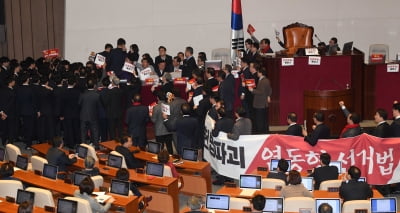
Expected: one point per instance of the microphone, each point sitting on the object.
(317, 37)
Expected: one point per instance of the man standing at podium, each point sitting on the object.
(320, 130)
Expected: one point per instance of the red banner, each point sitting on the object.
(376, 157)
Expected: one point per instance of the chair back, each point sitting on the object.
(38, 163)
(293, 204)
(12, 152)
(10, 188)
(98, 181)
(297, 35)
(43, 197)
(271, 183)
(223, 54)
(330, 184)
(351, 205)
(91, 151)
(123, 158)
(238, 203)
(83, 205)
(378, 53)
(167, 171)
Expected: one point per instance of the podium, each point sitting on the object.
(327, 101)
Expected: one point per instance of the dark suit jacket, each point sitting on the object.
(213, 113)
(8, 101)
(227, 92)
(324, 173)
(186, 129)
(45, 101)
(382, 130)
(58, 93)
(278, 175)
(26, 101)
(211, 83)
(224, 124)
(241, 127)
(89, 102)
(189, 64)
(295, 130)
(322, 131)
(137, 118)
(70, 103)
(395, 128)
(261, 92)
(112, 102)
(58, 158)
(168, 62)
(117, 60)
(130, 160)
(354, 190)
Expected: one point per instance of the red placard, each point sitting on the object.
(51, 53)
(149, 81)
(250, 29)
(377, 58)
(250, 82)
(180, 81)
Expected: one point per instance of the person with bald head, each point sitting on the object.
(294, 128)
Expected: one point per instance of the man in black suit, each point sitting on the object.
(70, 114)
(395, 126)
(164, 57)
(352, 189)
(186, 128)
(136, 118)
(353, 127)
(294, 128)
(227, 90)
(57, 157)
(223, 124)
(382, 130)
(325, 172)
(320, 130)
(27, 109)
(89, 102)
(283, 166)
(45, 107)
(117, 59)
(111, 99)
(211, 82)
(106, 53)
(130, 160)
(189, 64)
(58, 93)
(8, 108)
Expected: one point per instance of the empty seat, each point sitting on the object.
(10, 188)
(330, 184)
(350, 206)
(43, 197)
(123, 158)
(238, 203)
(293, 204)
(271, 183)
(37, 163)
(12, 152)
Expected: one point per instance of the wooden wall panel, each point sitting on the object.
(33, 26)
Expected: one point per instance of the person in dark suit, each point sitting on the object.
(70, 114)
(175, 109)
(117, 59)
(215, 105)
(27, 109)
(252, 56)
(189, 64)
(262, 96)
(223, 124)
(353, 127)
(8, 107)
(283, 166)
(352, 189)
(103, 127)
(57, 157)
(164, 57)
(242, 125)
(136, 118)
(130, 160)
(211, 82)
(227, 90)
(106, 53)
(395, 126)
(58, 93)
(89, 103)
(382, 129)
(111, 99)
(186, 128)
(320, 130)
(325, 172)
(45, 106)
(294, 128)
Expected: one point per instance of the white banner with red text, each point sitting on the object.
(376, 157)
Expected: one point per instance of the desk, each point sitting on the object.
(7, 207)
(196, 175)
(235, 192)
(187, 209)
(130, 203)
(289, 82)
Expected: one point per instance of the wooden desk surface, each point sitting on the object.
(235, 192)
(7, 207)
(129, 202)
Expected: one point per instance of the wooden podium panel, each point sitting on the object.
(327, 101)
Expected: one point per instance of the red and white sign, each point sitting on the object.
(393, 68)
(128, 67)
(100, 60)
(250, 82)
(51, 53)
(314, 60)
(180, 81)
(287, 62)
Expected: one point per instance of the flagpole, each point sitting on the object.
(237, 36)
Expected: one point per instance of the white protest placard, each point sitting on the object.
(145, 74)
(235, 73)
(287, 62)
(188, 86)
(99, 60)
(392, 68)
(197, 99)
(314, 60)
(311, 51)
(128, 67)
(166, 109)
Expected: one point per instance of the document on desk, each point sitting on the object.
(101, 197)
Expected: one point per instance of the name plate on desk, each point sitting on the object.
(393, 68)
(287, 62)
(311, 51)
(314, 60)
